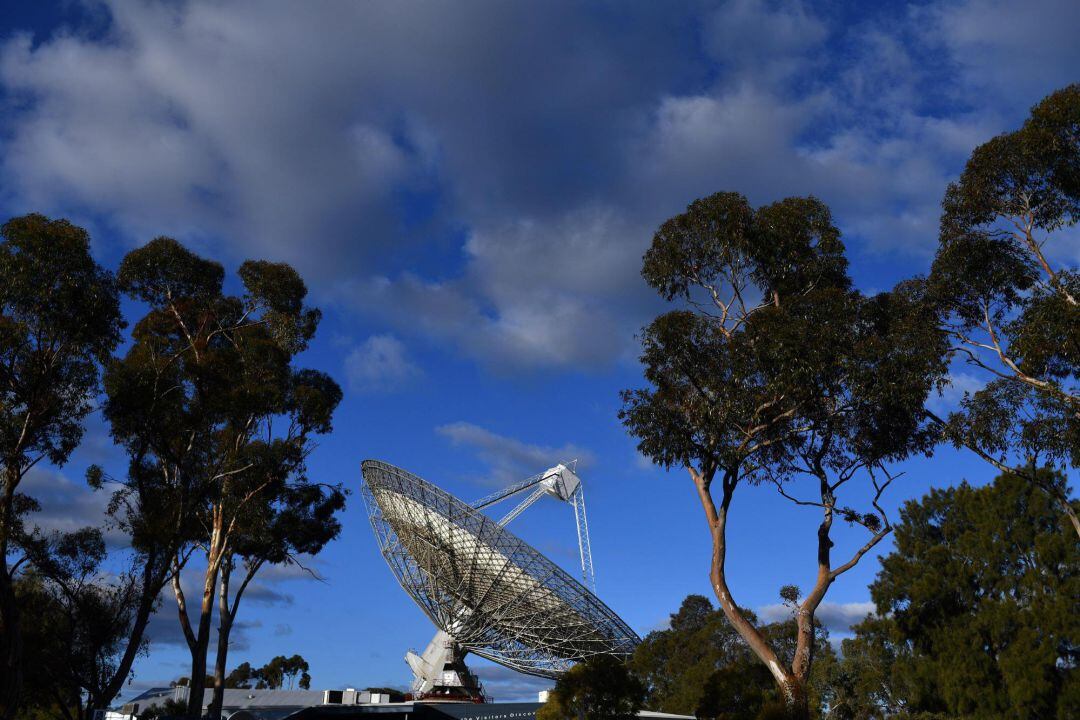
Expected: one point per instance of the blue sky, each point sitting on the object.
(468, 189)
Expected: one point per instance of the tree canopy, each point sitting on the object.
(700, 666)
(207, 400)
(601, 688)
(59, 321)
(775, 370)
(976, 610)
(1008, 298)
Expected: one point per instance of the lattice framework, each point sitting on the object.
(496, 595)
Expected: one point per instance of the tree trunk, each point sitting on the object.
(206, 610)
(225, 622)
(155, 575)
(796, 699)
(789, 686)
(11, 654)
(197, 686)
(225, 626)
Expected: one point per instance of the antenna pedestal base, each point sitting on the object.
(440, 673)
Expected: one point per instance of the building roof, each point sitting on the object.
(249, 697)
(234, 697)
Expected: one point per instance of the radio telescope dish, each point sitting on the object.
(487, 591)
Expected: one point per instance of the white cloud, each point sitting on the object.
(509, 459)
(836, 617)
(380, 364)
(224, 124)
(1019, 51)
(506, 685)
(960, 384)
(643, 463)
(751, 37)
(67, 506)
(536, 294)
(201, 120)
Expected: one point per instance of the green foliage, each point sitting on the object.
(978, 611)
(218, 422)
(280, 670)
(1010, 307)
(774, 369)
(168, 709)
(742, 690)
(861, 684)
(242, 676)
(601, 688)
(701, 666)
(77, 624)
(794, 363)
(59, 320)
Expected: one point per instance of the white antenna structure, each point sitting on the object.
(562, 483)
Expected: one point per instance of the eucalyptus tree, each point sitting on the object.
(207, 400)
(80, 620)
(299, 521)
(1006, 277)
(281, 669)
(775, 371)
(59, 320)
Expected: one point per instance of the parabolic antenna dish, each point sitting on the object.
(491, 592)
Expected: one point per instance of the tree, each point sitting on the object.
(601, 688)
(242, 676)
(206, 400)
(700, 665)
(1008, 300)
(776, 370)
(154, 509)
(861, 685)
(82, 618)
(59, 320)
(299, 520)
(976, 609)
(168, 709)
(281, 669)
(677, 664)
(85, 625)
(44, 693)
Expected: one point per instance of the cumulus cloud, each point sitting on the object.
(380, 364)
(777, 39)
(547, 140)
(836, 617)
(201, 120)
(67, 505)
(509, 459)
(506, 685)
(559, 293)
(1019, 51)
